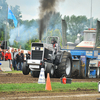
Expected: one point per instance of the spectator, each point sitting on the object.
(18, 60)
(28, 56)
(15, 55)
(3, 54)
(22, 55)
(8, 57)
(0, 54)
(12, 56)
(16, 52)
(14, 61)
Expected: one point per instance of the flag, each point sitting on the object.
(97, 44)
(11, 16)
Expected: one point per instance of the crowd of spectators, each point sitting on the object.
(15, 57)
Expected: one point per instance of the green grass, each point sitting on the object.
(13, 71)
(56, 87)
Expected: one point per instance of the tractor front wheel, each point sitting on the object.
(50, 69)
(25, 69)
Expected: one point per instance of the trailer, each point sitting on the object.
(85, 63)
(91, 54)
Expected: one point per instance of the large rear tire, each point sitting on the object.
(65, 67)
(25, 69)
(35, 73)
(50, 69)
(87, 69)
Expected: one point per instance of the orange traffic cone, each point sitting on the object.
(48, 83)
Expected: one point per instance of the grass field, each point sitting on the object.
(56, 87)
(13, 71)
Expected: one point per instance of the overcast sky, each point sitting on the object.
(30, 8)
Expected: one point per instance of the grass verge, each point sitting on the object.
(13, 71)
(56, 87)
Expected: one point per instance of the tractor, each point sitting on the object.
(55, 61)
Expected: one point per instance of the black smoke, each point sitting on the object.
(47, 8)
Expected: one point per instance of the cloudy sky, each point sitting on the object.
(30, 8)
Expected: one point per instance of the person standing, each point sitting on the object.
(18, 60)
(12, 56)
(8, 57)
(15, 55)
(28, 56)
(0, 54)
(3, 57)
(14, 61)
(22, 55)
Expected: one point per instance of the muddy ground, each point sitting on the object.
(83, 94)
(20, 78)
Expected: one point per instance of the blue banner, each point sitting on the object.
(11, 16)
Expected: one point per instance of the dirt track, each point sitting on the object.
(71, 95)
(20, 78)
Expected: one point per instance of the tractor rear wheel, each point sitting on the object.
(25, 69)
(65, 67)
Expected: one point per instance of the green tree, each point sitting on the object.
(75, 24)
(55, 22)
(3, 12)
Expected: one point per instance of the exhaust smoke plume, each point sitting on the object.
(47, 8)
(24, 35)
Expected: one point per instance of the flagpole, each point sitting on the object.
(5, 33)
(18, 29)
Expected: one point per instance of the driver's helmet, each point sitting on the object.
(53, 41)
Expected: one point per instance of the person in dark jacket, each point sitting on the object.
(28, 56)
(55, 45)
(22, 55)
(14, 59)
(18, 60)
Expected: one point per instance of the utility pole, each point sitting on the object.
(6, 33)
(91, 21)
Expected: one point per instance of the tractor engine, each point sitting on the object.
(40, 53)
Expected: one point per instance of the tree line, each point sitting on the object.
(75, 25)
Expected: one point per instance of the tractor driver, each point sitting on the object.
(54, 43)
